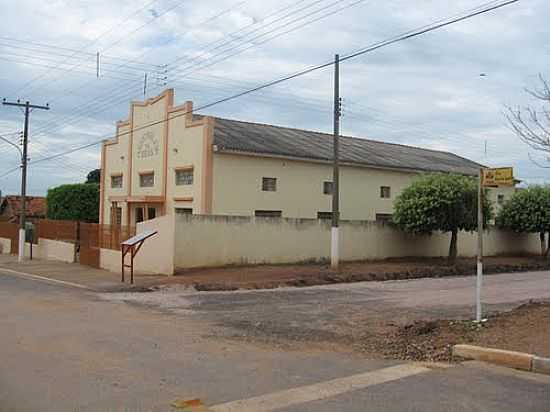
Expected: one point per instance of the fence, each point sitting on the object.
(54, 238)
(103, 236)
(10, 233)
(62, 230)
(110, 237)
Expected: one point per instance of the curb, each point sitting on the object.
(510, 359)
(44, 279)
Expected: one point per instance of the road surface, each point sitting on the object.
(67, 349)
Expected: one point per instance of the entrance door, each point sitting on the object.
(140, 215)
(116, 216)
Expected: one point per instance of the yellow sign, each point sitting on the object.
(502, 176)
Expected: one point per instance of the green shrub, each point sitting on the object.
(440, 202)
(74, 202)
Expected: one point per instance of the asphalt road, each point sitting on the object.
(64, 349)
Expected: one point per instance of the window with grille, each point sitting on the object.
(268, 213)
(147, 180)
(184, 211)
(269, 184)
(385, 192)
(327, 188)
(116, 182)
(116, 215)
(324, 215)
(184, 177)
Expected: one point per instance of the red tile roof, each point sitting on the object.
(10, 207)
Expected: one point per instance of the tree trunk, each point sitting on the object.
(542, 244)
(453, 247)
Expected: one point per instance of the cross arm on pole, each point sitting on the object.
(26, 104)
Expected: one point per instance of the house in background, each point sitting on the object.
(166, 160)
(10, 208)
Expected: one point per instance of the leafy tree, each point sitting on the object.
(528, 211)
(441, 202)
(74, 202)
(94, 176)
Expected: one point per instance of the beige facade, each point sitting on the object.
(164, 161)
(139, 166)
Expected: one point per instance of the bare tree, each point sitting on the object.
(532, 124)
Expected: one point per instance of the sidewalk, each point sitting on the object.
(85, 276)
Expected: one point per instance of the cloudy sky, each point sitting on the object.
(426, 91)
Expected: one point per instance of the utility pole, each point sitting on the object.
(145, 86)
(479, 246)
(334, 235)
(24, 160)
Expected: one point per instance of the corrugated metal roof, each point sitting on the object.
(239, 136)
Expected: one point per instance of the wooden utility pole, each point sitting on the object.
(334, 244)
(24, 160)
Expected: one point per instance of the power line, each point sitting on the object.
(95, 40)
(232, 36)
(255, 43)
(347, 6)
(56, 50)
(368, 49)
(200, 24)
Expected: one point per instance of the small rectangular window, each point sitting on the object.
(269, 184)
(147, 180)
(500, 199)
(324, 215)
(184, 211)
(327, 188)
(268, 213)
(385, 192)
(184, 177)
(116, 182)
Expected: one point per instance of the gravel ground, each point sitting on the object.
(275, 276)
(413, 320)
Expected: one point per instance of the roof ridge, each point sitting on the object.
(345, 137)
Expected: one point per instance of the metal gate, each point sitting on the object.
(89, 244)
(11, 231)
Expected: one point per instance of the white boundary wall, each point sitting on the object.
(156, 256)
(188, 241)
(5, 246)
(224, 240)
(52, 250)
(45, 249)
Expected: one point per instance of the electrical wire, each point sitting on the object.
(368, 49)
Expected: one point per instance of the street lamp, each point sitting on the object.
(13, 145)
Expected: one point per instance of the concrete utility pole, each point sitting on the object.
(479, 277)
(24, 159)
(334, 244)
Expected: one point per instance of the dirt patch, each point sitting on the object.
(274, 276)
(525, 329)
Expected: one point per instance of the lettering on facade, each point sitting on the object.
(148, 146)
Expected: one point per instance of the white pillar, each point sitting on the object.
(478, 291)
(21, 253)
(334, 248)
